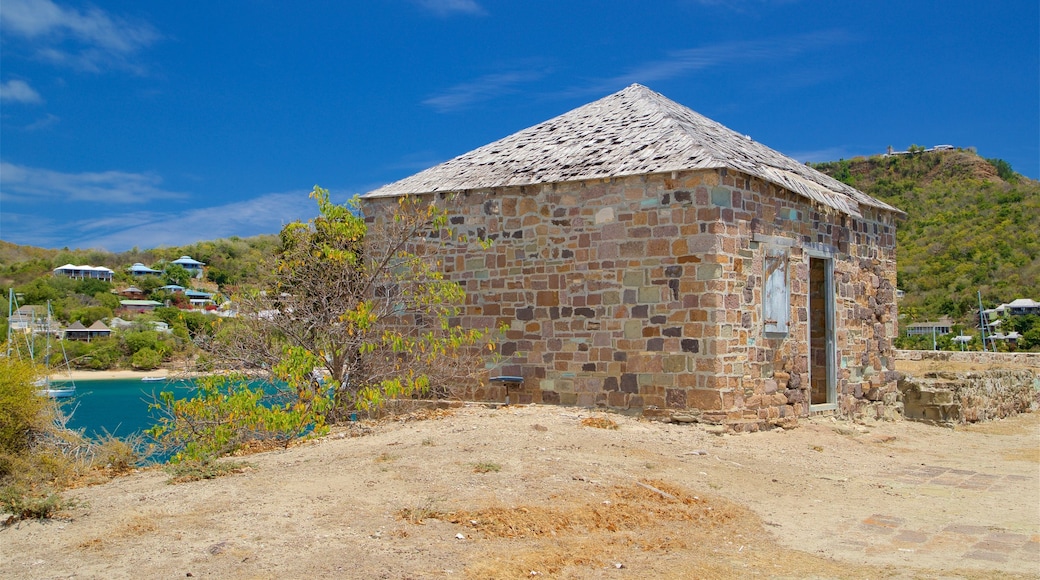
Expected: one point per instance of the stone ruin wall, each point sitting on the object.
(966, 386)
(645, 291)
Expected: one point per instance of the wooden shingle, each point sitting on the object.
(635, 131)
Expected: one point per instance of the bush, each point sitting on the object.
(23, 414)
(225, 414)
(32, 466)
(146, 359)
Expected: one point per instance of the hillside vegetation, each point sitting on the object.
(228, 261)
(28, 270)
(972, 225)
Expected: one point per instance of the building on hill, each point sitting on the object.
(132, 292)
(193, 266)
(198, 298)
(991, 319)
(76, 331)
(943, 326)
(1020, 307)
(33, 319)
(139, 269)
(139, 306)
(645, 256)
(84, 272)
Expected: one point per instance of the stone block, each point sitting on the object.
(547, 298)
(633, 278)
(650, 294)
(721, 196)
(675, 364)
(709, 271)
(704, 399)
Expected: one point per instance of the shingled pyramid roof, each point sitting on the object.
(635, 131)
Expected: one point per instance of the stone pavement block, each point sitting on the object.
(988, 546)
(883, 521)
(966, 529)
(1004, 542)
(912, 537)
(988, 556)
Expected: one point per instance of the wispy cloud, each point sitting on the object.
(18, 182)
(675, 64)
(91, 39)
(18, 91)
(683, 62)
(265, 214)
(484, 88)
(47, 120)
(451, 7)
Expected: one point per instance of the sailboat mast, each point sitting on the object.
(10, 304)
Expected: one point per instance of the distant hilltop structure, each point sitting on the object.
(913, 149)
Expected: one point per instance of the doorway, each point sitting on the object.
(822, 375)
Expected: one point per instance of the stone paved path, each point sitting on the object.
(886, 533)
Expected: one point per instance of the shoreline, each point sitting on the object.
(82, 375)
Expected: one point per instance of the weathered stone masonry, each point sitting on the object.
(647, 291)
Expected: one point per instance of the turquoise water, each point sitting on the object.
(119, 407)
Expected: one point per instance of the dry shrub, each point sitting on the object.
(627, 508)
(599, 423)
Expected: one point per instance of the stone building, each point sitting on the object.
(646, 257)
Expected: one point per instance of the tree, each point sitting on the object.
(176, 274)
(355, 309)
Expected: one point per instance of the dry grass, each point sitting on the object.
(599, 423)
(1030, 454)
(651, 525)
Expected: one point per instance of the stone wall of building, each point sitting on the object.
(646, 292)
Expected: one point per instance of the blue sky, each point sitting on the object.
(162, 123)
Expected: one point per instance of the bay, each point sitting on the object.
(117, 406)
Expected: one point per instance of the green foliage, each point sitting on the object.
(226, 413)
(136, 340)
(367, 306)
(965, 231)
(486, 467)
(23, 414)
(23, 504)
(88, 315)
(187, 471)
(177, 274)
(32, 467)
(146, 359)
(91, 287)
(1003, 168)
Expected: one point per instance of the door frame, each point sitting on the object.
(831, 350)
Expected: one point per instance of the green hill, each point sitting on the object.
(228, 261)
(972, 225)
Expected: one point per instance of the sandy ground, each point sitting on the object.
(78, 375)
(529, 491)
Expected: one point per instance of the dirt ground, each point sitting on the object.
(531, 491)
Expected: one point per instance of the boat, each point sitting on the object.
(152, 379)
(32, 325)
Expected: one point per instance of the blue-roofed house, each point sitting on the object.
(198, 298)
(191, 265)
(139, 269)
